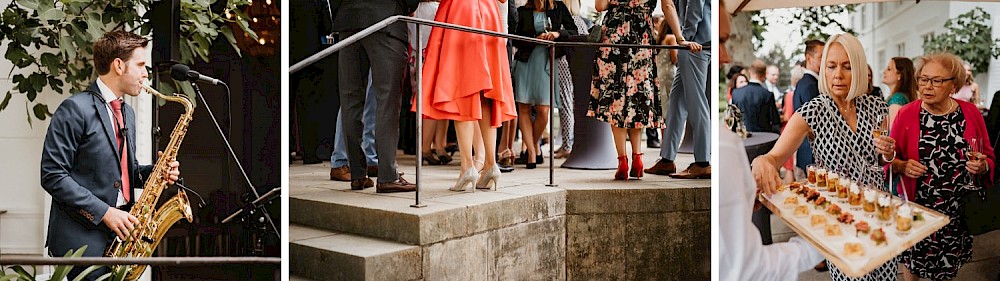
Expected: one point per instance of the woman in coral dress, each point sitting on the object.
(467, 79)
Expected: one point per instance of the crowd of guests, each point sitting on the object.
(932, 140)
(495, 91)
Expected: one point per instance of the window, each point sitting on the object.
(880, 10)
(901, 49)
(863, 21)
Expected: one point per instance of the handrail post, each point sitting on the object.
(552, 108)
(420, 116)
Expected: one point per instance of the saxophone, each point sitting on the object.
(154, 223)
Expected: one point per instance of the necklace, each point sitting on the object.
(846, 109)
(951, 107)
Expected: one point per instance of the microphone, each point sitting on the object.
(182, 72)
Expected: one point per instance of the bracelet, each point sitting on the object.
(890, 160)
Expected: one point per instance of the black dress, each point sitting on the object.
(939, 256)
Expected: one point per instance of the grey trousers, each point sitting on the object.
(687, 103)
(385, 57)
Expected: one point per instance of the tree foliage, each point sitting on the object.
(812, 20)
(969, 37)
(50, 43)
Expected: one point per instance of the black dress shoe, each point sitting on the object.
(539, 159)
(361, 184)
(653, 143)
(505, 168)
(522, 159)
(400, 185)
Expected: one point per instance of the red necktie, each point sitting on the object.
(120, 123)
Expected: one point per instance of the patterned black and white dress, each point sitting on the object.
(849, 152)
(939, 256)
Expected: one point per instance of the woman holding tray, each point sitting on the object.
(944, 154)
(839, 124)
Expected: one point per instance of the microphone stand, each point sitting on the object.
(229, 148)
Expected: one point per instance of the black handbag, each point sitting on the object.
(982, 210)
(597, 31)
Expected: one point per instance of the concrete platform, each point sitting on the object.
(587, 227)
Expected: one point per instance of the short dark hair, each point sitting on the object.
(813, 46)
(117, 44)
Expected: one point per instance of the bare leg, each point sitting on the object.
(507, 138)
(527, 133)
(541, 120)
(907, 275)
(634, 137)
(430, 127)
(489, 138)
(619, 135)
(478, 144)
(465, 133)
(441, 136)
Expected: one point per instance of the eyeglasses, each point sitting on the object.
(936, 82)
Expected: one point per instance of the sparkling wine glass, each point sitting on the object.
(973, 152)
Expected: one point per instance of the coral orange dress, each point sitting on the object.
(464, 68)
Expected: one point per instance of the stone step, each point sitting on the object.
(447, 215)
(324, 255)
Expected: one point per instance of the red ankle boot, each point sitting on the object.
(622, 167)
(636, 171)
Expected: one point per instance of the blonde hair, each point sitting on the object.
(949, 62)
(859, 65)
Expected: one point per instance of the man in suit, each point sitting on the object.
(806, 90)
(314, 96)
(384, 54)
(687, 101)
(771, 84)
(757, 103)
(88, 161)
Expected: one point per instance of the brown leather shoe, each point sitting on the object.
(662, 168)
(362, 184)
(400, 185)
(340, 174)
(373, 171)
(694, 172)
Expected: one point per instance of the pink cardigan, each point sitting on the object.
(906, 133)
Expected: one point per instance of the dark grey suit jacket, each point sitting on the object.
(79, 169)
(355, 15)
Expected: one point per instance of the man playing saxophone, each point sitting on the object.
(88, 161)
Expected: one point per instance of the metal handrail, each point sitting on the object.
(169, 261)
(419, 62)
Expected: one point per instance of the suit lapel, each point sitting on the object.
(106, 121)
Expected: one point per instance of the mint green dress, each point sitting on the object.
(897, 98)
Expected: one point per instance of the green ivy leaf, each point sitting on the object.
(52, 14)
(6, 101)
(42, 111)
(38, 82)
(66, 47)
(228, 33)
(52, 62)
(17, 55)
(30, 4)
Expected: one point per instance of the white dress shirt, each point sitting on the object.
(109, 96)
(742, 256)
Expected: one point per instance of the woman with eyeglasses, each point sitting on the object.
(944, 154)
(839, 124)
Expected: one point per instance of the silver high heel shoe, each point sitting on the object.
(488, 179)
(469, 177)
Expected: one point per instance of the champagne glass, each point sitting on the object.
(881, 128)
(973, 152)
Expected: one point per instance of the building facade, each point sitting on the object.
(898, 29)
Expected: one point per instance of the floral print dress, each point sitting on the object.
(939, 256)
(625, 83)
